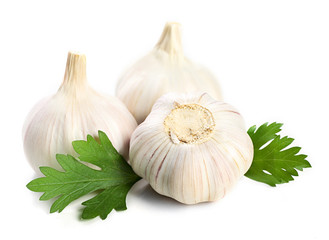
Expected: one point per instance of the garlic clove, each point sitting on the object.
(75, 111)
(165, 69)
(191, 147)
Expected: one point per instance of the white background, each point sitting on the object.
(272, 61)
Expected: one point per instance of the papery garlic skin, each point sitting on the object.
(191, 148)
(165, 69)
(75, 111)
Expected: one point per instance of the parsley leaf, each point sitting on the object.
(274, 163)
(114, 179)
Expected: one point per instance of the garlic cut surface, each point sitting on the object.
(165, 69)
(75, 111)
(191, 147)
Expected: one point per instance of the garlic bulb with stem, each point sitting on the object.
(165, 69)
(191, 148)
(73, 112)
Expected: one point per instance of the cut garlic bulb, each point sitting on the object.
(165, 69)
(73, 112)
(191, 148)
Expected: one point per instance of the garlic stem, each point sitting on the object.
(75, 73)
(171, 39)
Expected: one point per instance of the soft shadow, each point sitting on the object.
(145, 192)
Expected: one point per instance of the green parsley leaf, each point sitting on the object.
(112, 182)
(275, 163)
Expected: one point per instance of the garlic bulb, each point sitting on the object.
(165, 69)
(191, 148)
(73, 112)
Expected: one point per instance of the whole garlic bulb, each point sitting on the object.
(191, 148)
(165, 69)
(73, 112)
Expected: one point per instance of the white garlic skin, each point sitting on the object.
(165, 69)
(191, 172)
(75, 111)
